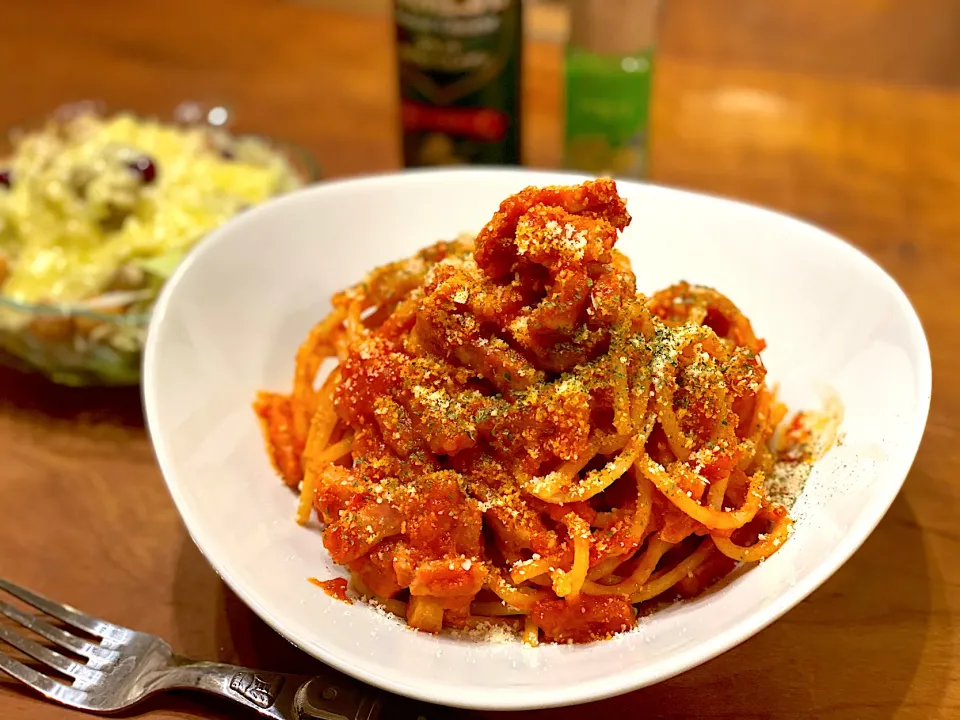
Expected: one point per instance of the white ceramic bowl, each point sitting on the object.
(230, 321)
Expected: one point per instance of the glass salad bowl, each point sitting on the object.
(98, 207)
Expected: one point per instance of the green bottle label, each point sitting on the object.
(608, 108)
(459, 65)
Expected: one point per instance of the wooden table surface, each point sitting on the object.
(846, 114)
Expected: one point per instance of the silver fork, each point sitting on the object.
(124, 667)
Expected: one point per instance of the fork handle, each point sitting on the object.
(318, 699)
(283, 696)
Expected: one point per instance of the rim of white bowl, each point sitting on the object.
(631, 678)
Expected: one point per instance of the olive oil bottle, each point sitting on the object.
(459, 69)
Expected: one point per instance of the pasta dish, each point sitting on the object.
(513, 435)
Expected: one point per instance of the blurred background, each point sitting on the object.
(815, 107)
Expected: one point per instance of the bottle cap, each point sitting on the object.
(613, 27)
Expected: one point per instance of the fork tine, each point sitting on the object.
(41, 683)
(47, 656)
(56, 635)
(67, 614)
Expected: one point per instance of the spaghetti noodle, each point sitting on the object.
(513, 433)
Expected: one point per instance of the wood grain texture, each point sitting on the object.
(843, 113)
